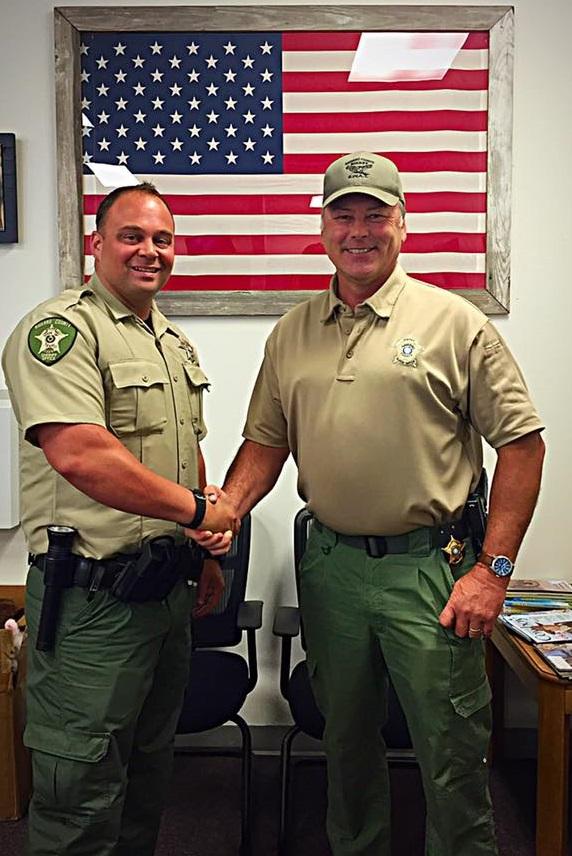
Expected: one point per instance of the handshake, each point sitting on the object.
(220, 523)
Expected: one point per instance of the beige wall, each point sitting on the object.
(538, 328)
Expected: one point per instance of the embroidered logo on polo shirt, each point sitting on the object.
(408, 350)
(51, 339)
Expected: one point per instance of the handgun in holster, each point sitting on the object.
(152, 575)
(154, 572)
(476, 512)
(58, 575)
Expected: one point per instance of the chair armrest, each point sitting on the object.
(286, 622)
(286, 626)
(249, 615)
(249, 618)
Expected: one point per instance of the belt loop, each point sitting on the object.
(376, 547)
(421, 541)
(328, 536)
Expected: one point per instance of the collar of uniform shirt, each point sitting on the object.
(119, 311)
(382, 302)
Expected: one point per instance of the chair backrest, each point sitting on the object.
(219, 629)
(302, 527)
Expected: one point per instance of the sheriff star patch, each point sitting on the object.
(51, 339)
(407, 351)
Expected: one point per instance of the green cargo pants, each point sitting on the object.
(366, 618)
(102, 711)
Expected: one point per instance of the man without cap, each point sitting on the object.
(381, 388)
(108, 396)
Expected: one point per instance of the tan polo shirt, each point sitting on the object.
(383, 408)
(84, 357)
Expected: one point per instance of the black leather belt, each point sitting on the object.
(378, 546)
(84, 571)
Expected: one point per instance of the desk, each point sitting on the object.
(554, 697)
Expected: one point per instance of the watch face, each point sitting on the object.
(502, 566)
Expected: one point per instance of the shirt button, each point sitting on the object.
(184, 465)
(194, 420)
(181, 421)
(175, 378)
(145, 378)
(349, 355)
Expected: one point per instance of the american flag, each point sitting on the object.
(236, 130)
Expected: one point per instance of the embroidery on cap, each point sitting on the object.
(408, 350)
(358, 168)
(51, 339)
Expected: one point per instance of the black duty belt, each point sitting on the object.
(85, 571)
(378, 546)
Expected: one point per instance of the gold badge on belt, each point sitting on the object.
(454, 551)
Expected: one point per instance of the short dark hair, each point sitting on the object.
(111, 198)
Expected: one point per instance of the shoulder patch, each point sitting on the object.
(50, 339)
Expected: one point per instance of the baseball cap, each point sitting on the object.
(363, 172)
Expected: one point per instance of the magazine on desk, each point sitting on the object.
(539, 594)
(554, 625)
(540, 587)
(559, 656)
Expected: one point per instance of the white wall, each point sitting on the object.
(538, 328)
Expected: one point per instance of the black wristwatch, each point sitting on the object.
(200, 510)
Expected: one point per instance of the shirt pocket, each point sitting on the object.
(197, 382)
(137, 397)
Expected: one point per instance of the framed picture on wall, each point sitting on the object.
(8, 201)
(234, 113)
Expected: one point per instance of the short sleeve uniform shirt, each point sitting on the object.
(84, 357)
(384, 407)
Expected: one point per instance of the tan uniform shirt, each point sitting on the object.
(383, 408)
(144, 386)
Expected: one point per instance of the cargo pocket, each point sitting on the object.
(197, 383)
(71, 768)
(137, 397)
(470, 701)
(469, 688)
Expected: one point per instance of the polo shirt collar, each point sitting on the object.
(381, 302)
(385, 298)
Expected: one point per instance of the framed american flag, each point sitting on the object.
(234, 113)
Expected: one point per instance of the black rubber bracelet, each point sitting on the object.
(200, 510)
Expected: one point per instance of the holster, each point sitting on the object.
(476, 512)
(153, 574)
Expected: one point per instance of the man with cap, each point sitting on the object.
(382, 388)
(108, 396)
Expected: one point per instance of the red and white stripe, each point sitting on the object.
(241, 232)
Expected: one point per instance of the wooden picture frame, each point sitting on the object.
(8, 191)
(497, 21)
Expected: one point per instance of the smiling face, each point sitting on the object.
(134, 249)
(362, 237)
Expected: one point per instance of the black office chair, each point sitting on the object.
(296, 689)
(219, 681)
